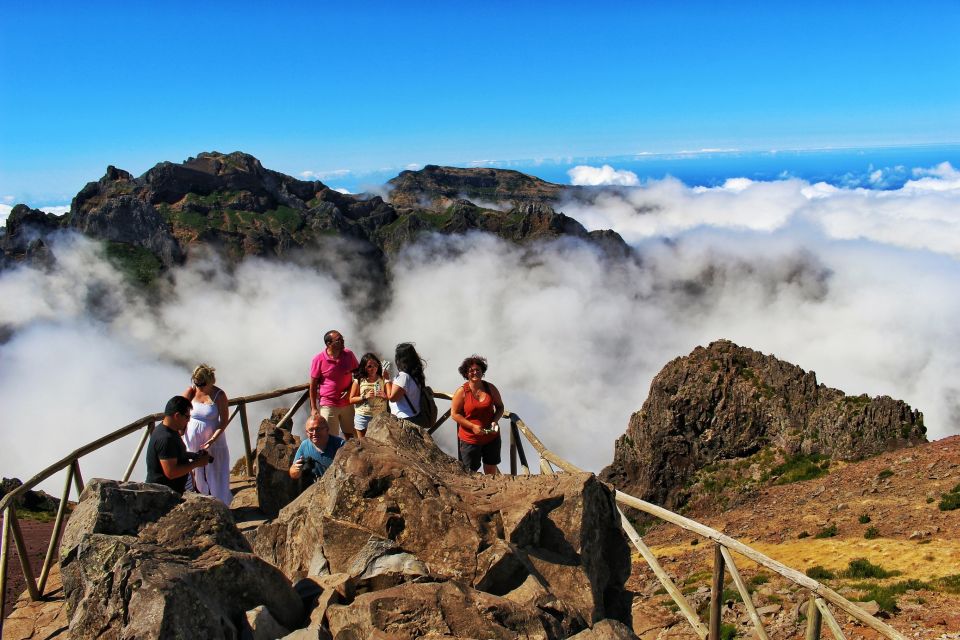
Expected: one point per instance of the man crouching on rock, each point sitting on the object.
(316, 453)
(168, 462)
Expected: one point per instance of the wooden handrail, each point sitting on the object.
(122, 432)
(820, 594)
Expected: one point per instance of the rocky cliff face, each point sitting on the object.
(725, 402)
(232, 203)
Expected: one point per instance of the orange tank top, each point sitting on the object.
(479, 412)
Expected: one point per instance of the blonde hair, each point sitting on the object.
(203, 374)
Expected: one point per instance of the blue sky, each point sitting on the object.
(363, 86)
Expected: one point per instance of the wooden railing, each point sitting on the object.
(71, 463)
(820, 595)
(549, 463)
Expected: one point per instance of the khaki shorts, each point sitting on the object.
(339, 419)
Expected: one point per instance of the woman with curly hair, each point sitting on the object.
(476, 407)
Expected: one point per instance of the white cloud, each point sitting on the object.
(943, 177)
(342, 190)
(605, 175)
(923, 214)
(859, 286)
(5, 210)
(57, 210)
(414, 166)
(325, 175)
(8, 199)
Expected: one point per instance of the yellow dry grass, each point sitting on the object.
(935, 559)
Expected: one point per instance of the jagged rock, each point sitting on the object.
(441, 610)
(23, 240)
(606, 630)
(724, 401)
(31, 500)
(261, 625)
(393, 504)
(274, 455)
(124, 218)
(138, 560)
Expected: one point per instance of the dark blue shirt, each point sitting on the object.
(321, 458)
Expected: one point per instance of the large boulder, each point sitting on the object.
(724, 402)
(438, 610)
(139, 561)
(276, 447)
(394, 509)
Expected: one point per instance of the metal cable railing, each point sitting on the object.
(821, 596)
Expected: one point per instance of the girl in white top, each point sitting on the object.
(368, 393)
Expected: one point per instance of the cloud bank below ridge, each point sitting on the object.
(858, 285)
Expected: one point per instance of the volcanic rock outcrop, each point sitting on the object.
(439, 187)
(139, 561)
(428, 548)
(276, 447)
(724, 401)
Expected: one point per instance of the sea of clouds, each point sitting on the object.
(859, 285)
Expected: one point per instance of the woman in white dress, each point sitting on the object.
(206, 430)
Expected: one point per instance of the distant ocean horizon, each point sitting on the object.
(875, 168)
(878, 168)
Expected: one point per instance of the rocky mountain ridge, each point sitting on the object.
(726, 403)
(232, 203)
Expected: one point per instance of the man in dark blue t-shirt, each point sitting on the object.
(167, 460)
(316, 453)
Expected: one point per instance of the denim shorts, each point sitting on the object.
(360, 421)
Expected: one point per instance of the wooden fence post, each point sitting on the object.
(244, 427)
(77, 478)
(813, 619)
(521, 454)
(4, 557)
(22, 552)
(716, 592)
(136, 456)
(513, 451)
(55, 534)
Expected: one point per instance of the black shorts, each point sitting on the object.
(471, 455)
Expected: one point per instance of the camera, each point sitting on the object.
(194, 455)
(311, 470)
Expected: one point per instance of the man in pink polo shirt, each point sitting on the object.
(331, 375)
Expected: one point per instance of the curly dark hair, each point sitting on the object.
(361, 372)
(480, 361)
(409, 361)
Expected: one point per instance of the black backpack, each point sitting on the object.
(426, 417)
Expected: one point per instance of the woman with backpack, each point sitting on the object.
(476, 407)
(410, 397)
